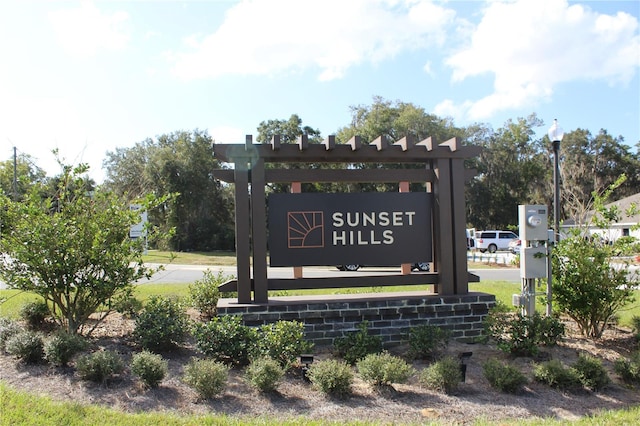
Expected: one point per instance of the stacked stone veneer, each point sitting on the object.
(389, 315)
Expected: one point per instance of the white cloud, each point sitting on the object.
(287, 36)
(530, 46)
(226, 134)
(83, 30)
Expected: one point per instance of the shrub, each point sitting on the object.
(628, 368)
(204, 293)
(99, 366)
(332, 377)
(553, 373)
(504, 377)
(7, 329)
(591, 373)
(61, 347)
(383, 369)
(282, 341)
(356, 345)
(149, 367)
(26, 345)
(34, 313)
(635, 326)
(226, 339)
(264, 374)
(161, 325)
(443, 375)
(207, 377)
(519, 334)
(127, 304)
(426, 341)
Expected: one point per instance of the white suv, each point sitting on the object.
(494, 240)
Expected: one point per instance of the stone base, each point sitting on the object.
(389, 315)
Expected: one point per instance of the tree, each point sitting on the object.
(19, 175)
(73, 249)
(180, 163)
(590, 284)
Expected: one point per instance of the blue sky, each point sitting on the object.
(88, 77)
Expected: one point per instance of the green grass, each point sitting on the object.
(21, 408)
(216, 258)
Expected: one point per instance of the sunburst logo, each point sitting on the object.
(305, 229)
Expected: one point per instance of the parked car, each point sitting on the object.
(420, 266)
(514, 246)
(494, 240)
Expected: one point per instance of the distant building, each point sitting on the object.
(620, 228)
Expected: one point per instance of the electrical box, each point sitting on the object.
(516, 300)
(533, 223)
(533, 262)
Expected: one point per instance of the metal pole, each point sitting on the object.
(556, 192)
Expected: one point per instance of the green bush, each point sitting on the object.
(356, 345)
(504, 377)
(127, 304)
(628, 368)
(206, 376)
(383, 369)
(204, 293)
(591, 372)
(226, 339)
(149, 367)
(26, 345)
(555, 374)
(60, 348)
(282, 341)
(7, 329)
(34, 313)
(635, 326)
(264, 374)
(426, 341)
(521, 335)
(331, 377)
(162, 324)
(99, 366)
(443, 375)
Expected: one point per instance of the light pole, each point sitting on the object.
(555, 135)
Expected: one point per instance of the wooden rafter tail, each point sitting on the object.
(405, 143)
(248, 142)
(275, 142)
(330, 142)
(428, 143)
(453, 144)
(303, 142)
(380, 143)
(355, 143)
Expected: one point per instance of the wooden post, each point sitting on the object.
(296, 188)
(405, 267)
(259, 233)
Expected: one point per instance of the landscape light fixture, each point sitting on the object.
(555, 136)
(464, 357)
(305, 361)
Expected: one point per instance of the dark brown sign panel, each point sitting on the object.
(356, 228)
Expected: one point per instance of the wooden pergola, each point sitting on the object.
(443, 172)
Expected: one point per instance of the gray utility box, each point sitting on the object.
(533, 262)
(532, 223)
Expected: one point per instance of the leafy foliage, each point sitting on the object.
(264, 374)
(71, 247)
(204, 293)
(591, 372)
(226, 339)
(588, 285)
(34, 313)
(628, 368)
(99, 366)
(162, 324)
(60, 348)
(443, 375)
(505, 377)
(383, 369)
(557, 375)
(149, 367)
(282, 341)
(206, 376)
(26, 345)
(332, 377)
(519, 334)
(427, 340)
(7, 329)
(356, 345)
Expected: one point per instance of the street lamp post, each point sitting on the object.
(555, 135)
